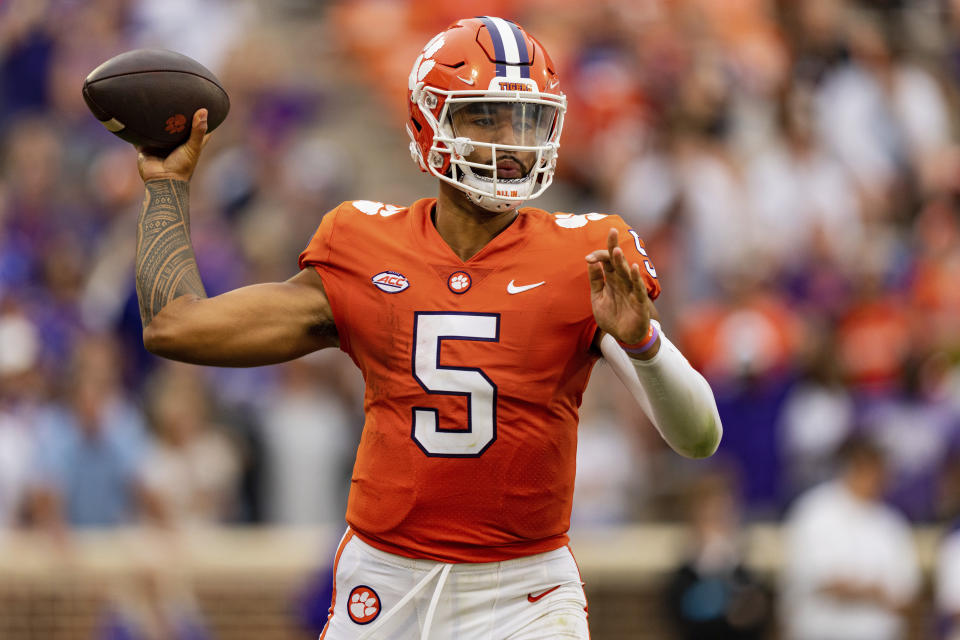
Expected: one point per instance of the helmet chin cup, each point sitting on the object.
(482, 192)
(489, 203)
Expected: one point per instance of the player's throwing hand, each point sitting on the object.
(181, 162)
(618, 293)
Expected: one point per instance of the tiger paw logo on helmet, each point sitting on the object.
(363, 604)
(486, 112)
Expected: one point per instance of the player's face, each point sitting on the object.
(504, 123)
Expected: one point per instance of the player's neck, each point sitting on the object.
(464, 226)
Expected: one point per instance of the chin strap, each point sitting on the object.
(490, 203)
(674, 396)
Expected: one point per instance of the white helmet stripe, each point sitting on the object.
(502, 36)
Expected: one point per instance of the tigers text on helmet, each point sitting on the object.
(486, 112)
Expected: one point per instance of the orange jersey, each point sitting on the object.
(474, 373)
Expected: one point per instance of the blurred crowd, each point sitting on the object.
(792, 167)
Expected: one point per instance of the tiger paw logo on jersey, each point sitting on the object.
(390, 281)
(363, 604)
(459, 281)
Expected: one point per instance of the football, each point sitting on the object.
(148, 97)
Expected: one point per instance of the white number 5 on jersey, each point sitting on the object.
(430, 329)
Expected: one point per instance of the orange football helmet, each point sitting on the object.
(486, 112)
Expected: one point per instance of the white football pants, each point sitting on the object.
(382, 596)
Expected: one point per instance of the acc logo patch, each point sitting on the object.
(363, 605)
(390, 281)
(459, 281)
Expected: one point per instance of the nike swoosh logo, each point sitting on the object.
(512, 288)
(465, 81)
(534, 598)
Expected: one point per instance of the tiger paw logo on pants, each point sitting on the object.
(363, 604)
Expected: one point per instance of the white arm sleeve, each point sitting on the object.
(676, 398)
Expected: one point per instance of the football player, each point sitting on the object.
(475, 323)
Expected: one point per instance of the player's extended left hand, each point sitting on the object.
(618, 293)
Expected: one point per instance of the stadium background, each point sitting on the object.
(791, 166)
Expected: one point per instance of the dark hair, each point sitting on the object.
(860, 447)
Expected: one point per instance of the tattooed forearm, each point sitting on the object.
(166, 266)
